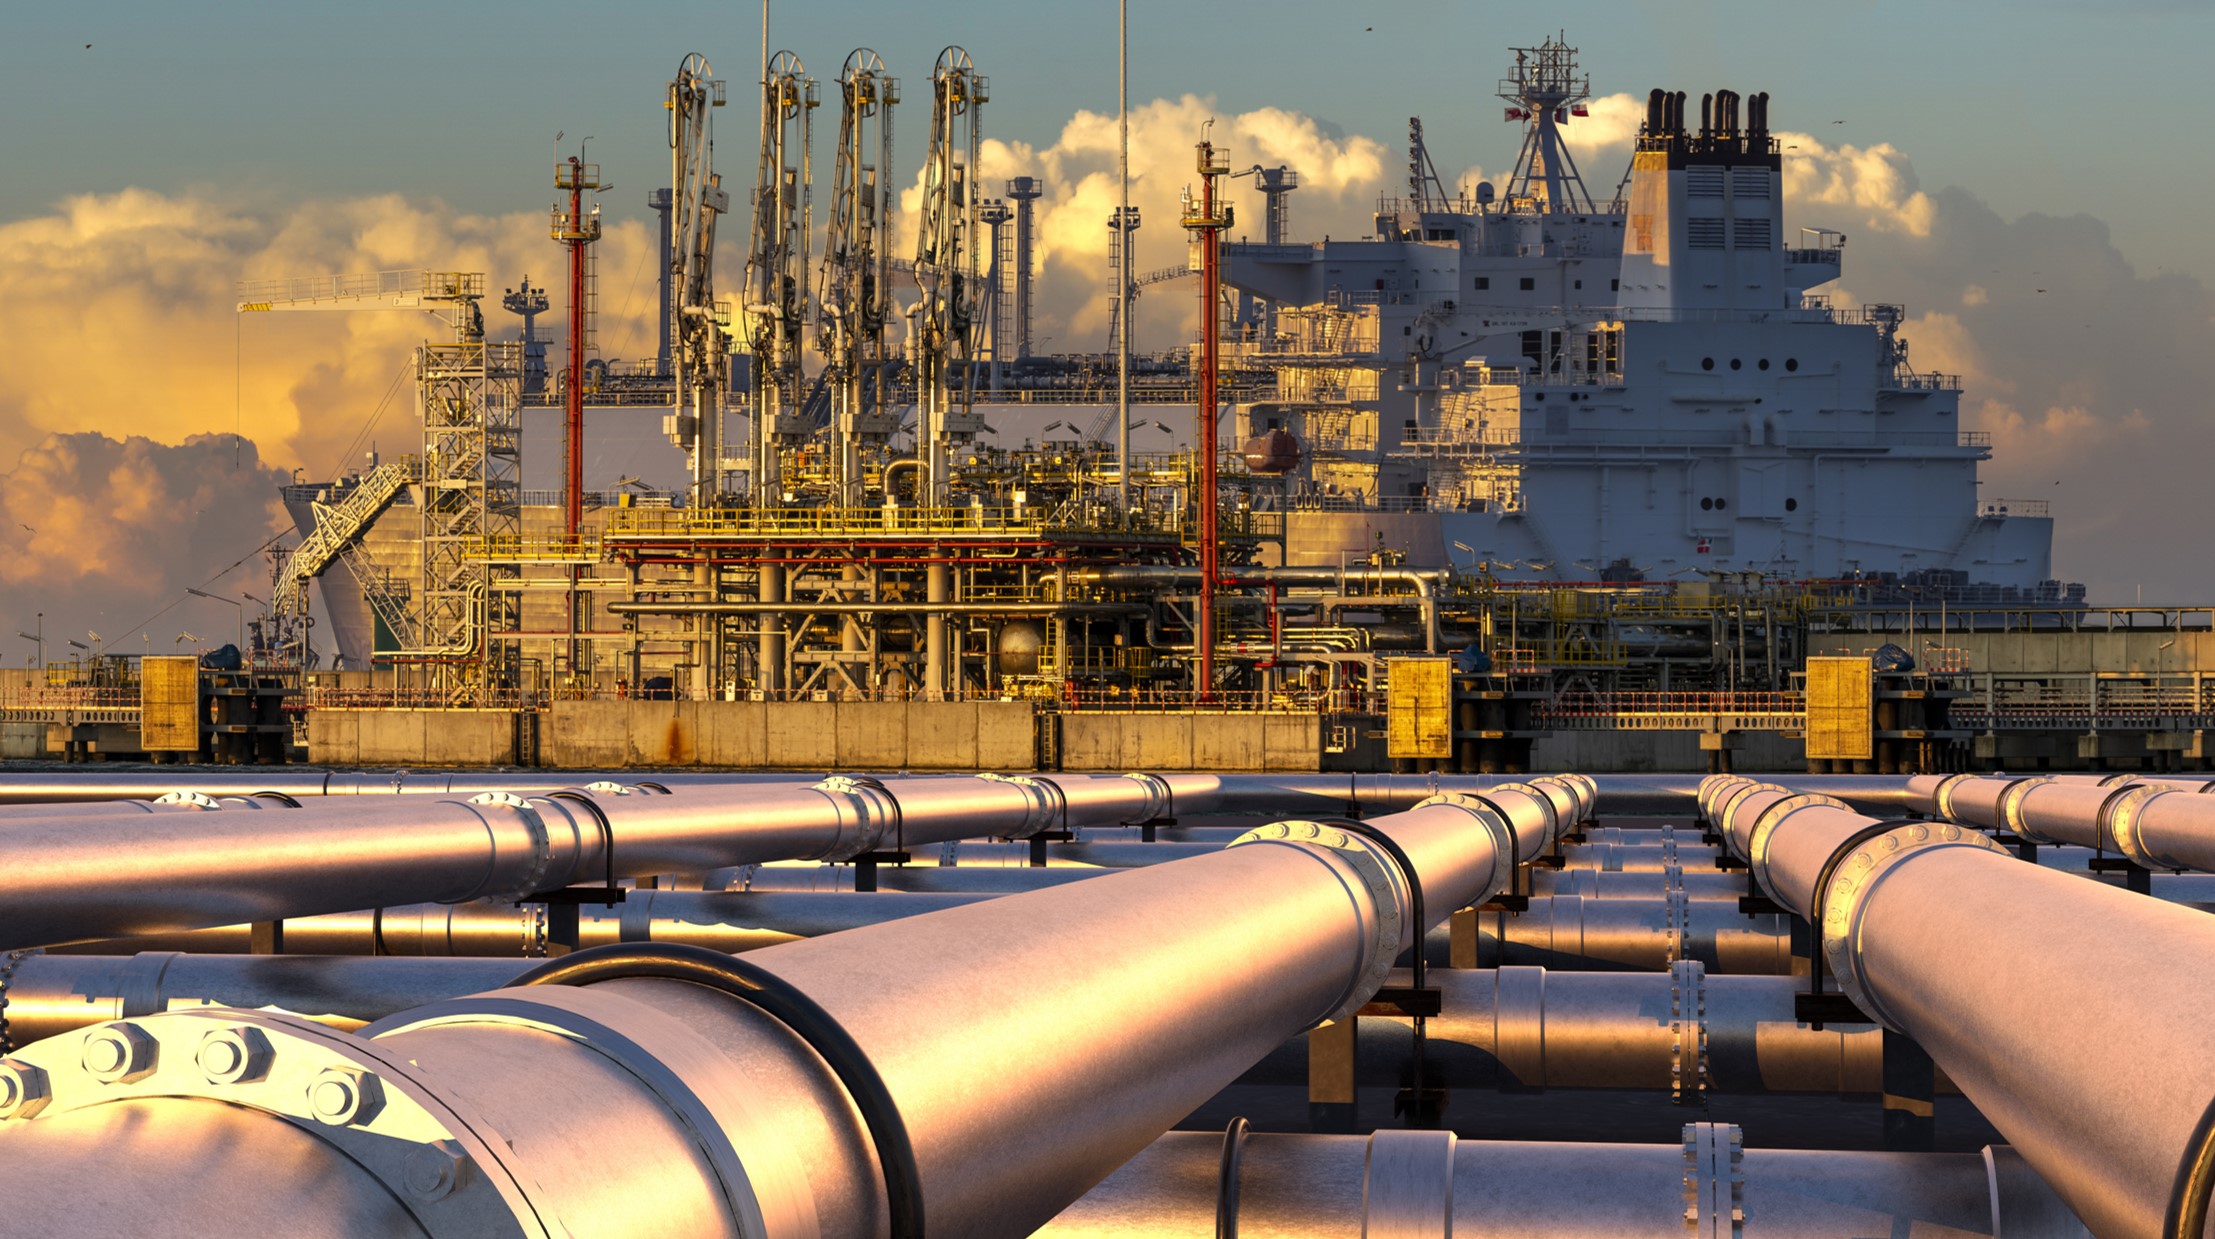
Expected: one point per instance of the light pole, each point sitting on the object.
(201, 593)
(263, 603)
(39, 638)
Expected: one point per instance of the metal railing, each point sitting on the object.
(442, 285)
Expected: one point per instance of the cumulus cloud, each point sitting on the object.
(1613, 121)
(102, 533)
(1876, 184)
(1340, 177)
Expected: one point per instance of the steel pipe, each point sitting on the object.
(662, 1106)
(1429, 1183)
(725, 921)
(1569, 932)
(107, 877)
(2165, 824)
(2024, 984)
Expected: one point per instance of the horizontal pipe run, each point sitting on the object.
(2071, 1013)
(1338, 1185)
(135, 873)
(707, 1117)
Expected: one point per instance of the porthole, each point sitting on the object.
(1707, 505)
(1791, 505)
(1764, 363)
(1735, 363)
(1791, 363)
(1707, 363)
(1720, 504)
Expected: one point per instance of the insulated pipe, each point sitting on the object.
(168, 872)
(668, 1106)
(1993, 967)
(54, 788)
(1423, 1183)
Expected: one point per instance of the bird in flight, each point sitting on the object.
(27, 528)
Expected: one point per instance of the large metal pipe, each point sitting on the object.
(2022, 983)
(2168, 824)
(1407, 1183)
(1569, 932)
(662, 1106)
(116, 877)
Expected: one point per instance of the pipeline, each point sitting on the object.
(1424, 1183)
(2022, 984)
(2169, 824)
(162, 873)
(836, 1087)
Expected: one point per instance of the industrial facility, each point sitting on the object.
(1105, 1005)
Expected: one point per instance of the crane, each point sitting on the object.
(698, 355)
(946, 272)
(856, 291)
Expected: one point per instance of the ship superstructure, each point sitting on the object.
(1642, 389)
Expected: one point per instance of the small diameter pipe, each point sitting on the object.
(2071, 1013)
(1154, 987)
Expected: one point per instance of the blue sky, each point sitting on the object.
(2031, 104)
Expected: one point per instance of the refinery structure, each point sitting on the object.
(1494, 397)
(880, 800)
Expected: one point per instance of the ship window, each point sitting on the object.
(1735, 363)
(1707, 505)
(1707, 363)
(1721, 503)
(1483, 282)
(1529, 283)
(1791, 363)
(1580, 283)
(1614, 285)
(1764, 363)
(1791, 505)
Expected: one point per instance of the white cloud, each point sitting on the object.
(1876, 183)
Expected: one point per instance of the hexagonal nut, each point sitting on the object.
(24, 1089)
(237, 1055)
(345, 1096)
(433, 1171)
(121, 1053)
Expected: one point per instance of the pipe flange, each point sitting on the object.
(1941, 796)
(1688, 1064)
(1048, 809)
(1713, 788)
(446, 1167)
(1714, 1180)
(197, 800)
(1503, 866)
(765, 1194)
(1765, 829)
(1545, 802)
(609, 787)
(1160, 798)
(1388, 895)
(8, 964)
(1727, 803)
(2010, 805)
(2123, 818)
(542, 842)
(866, 809)
(1858, 873)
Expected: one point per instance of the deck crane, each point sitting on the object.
(946, 272)
(857, 269)
(777, 271)
(466, 480)
(699, 361)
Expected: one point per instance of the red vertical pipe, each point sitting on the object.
(573, 429)
(1210, 501)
